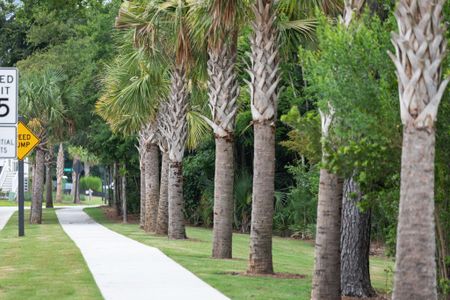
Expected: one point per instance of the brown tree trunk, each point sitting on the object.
(176, 228)
(142, 192)
(60, 174)
(223, 199)
(415, 265)
(327, 256)
(163, 214)
(124, 198)
(355, 244)
(151, 187)
(116, 189)
(48, 187)
(36, 210)
(260, 261)
(72, 190)
(87, 169)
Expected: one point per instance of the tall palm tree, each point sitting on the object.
(48, 176)
(41, 103)
(223, 89)
(162, 222)
(166, 21)
(59, 173)
(133, 86)
(420, 49)
(265, 77)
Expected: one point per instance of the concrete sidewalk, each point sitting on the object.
(5, 215)
(125, 269)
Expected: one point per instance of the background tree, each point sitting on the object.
(41, 103)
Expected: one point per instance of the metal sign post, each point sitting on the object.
(9, 96)
(21, 199)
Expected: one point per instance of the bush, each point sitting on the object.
(91, 183)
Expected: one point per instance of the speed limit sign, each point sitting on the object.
(8, 96)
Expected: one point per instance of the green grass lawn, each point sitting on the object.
(290, 256)
(45, 264)
(67, 201)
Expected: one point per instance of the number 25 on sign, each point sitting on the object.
(8, 96)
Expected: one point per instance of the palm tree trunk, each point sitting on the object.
(48, 187)
(415, 264)
(420, 50)
(87, 169)
(60, 174)
(174, 129)
(124, 198)
(223, 93)
(36, 210)
(327, 270)
(116, 189)
(355, 244)
(163, 214)
(142, 192)
(151, 187)
(264, 98)
(72, 190)
(176, 202)
(263, 200)
(223, 199)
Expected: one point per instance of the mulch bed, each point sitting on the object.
(275, 275)
(111, 214)
(379, 297)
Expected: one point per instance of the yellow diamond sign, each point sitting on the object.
(26, 140)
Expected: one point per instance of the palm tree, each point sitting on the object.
(223, 89)
(76, 152)
(133, 86)
(166, 21)
(59, 173)
(41, 103)
(264, 97)
(48, 177)
(420, 49)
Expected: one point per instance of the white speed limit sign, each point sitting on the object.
(8, 96)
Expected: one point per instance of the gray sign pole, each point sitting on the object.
(21, 195)
(21, 199)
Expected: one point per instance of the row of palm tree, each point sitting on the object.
(181, 37)
(176, 41)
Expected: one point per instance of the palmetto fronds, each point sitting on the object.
(420, 49)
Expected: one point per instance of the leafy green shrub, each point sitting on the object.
(91, 183)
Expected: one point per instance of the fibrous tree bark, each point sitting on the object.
(327, 258)
(355, 244)
(162, 222)
(87, 169)
(420, 49)
(123, 182)
(142, 150)
(151, 175)
(38, 187)
(223, 93)
(265, 77)
(163, 214)
(151, 186)
(48, 177)
(60, 174)
(355, 232)
(174, 129)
